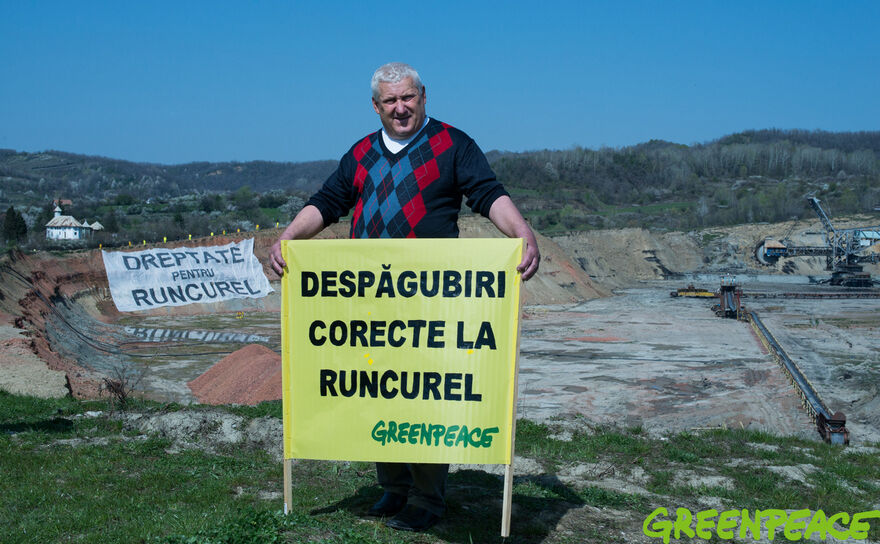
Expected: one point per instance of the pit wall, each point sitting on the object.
(40, 289)
(31, 286)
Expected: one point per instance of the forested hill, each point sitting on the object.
(844, 141)
(741, 178)
(745, 177)
(55, 173)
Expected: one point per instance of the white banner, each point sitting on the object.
(141, 280)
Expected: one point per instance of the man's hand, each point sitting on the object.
(507, 218)
(307, 223)
(531, 259)
(276, 259)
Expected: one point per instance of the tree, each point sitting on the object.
(211, 202)
(244, 198)
(14, 227)
(45, 215)
(109, 221)
(124, 199)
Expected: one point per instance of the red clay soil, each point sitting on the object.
(250, 375)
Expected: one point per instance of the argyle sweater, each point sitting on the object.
(415, 193)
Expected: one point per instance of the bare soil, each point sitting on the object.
(22, 372)
(637, 357)
(250, 375)
(642, 358)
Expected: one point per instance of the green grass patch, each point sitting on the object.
(271, 408)
(708, 237)
(71, 477)
(275, 215)
(647, 209)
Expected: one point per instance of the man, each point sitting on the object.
(405, 181)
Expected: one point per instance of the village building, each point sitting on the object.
(66, 227)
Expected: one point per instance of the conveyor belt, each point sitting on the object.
(730, 301)
(810, 399)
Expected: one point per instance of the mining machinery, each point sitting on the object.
(729, 299)
(845, 250)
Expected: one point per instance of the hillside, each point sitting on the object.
(742, 178)
(53, 173)
(748, 177)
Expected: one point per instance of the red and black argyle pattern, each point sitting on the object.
(390, 202)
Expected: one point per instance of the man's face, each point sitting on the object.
(401, 106)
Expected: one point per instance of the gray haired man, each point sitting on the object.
(408, 180)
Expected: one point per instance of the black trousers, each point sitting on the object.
(423, 484)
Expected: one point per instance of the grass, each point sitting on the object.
(70, 478)
(573, 217)
(708, 237)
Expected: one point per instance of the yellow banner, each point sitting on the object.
(400, 350)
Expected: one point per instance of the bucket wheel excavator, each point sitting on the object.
(845, 250)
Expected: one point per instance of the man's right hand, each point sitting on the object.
(307, 223)
(276, 259)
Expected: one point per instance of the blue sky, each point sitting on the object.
(173, 82)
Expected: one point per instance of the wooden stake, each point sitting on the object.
(286, 390)
(508, 472)
(508, 500)
(288, 485)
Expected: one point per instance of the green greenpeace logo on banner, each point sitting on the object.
(430, 434)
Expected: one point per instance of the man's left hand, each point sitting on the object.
(530, 261)
(507, 218)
